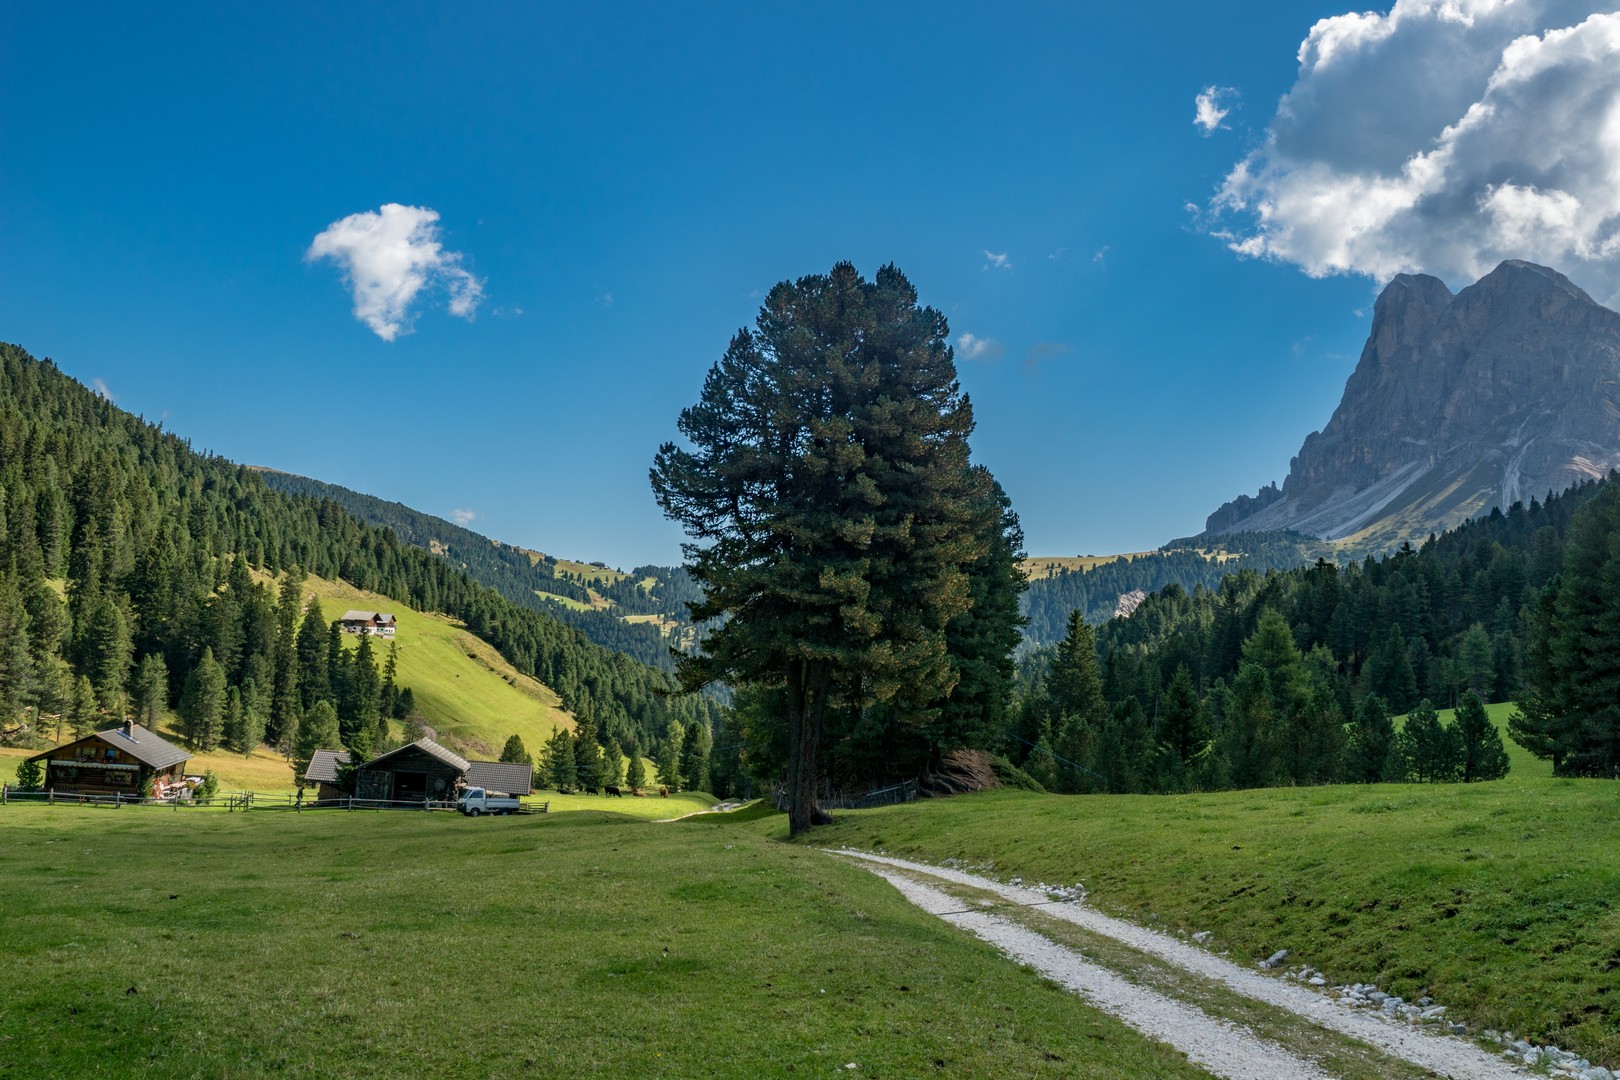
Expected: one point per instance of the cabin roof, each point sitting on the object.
(427, 746)
(514, 778)
(366, 616)
(142, 744)
(323, 765)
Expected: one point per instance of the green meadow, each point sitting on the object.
(143, 942)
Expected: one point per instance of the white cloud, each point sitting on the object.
(1000, 262)
(972, 347)
(99, 385)
(1442, 137)
(1208, 112)
(1100, 257)
(463, 517)
(388, 257)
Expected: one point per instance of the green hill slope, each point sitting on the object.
(469, 693)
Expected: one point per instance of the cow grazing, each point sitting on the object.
(615, 792)
(663, 791)
(589, 790)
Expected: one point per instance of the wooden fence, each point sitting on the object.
(232, 801)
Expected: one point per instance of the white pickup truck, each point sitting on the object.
(475, 801)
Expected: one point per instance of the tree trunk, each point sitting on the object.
(807, 693)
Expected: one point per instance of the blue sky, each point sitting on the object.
(618, 186)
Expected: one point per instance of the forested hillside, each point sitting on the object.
(1095, 591)
(138, 575)
(1292, 676)
(529, 579)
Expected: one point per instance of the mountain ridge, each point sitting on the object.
(1506, 390)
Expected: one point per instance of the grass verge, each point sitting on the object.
(145, 943)
(1498, 900)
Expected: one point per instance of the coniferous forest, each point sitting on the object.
(138, 575)
(1292, 676)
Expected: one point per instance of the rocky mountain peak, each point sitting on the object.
(1505, 390)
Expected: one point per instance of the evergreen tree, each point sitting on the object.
(1477, 661)
(1432, 747)
(85, 713)
(514, 751)
(231, 725)
(1483, 757)
(1182, 729)
(318, 730)
(30, 775)
(250, 735)
(561, 766)
(694, 767)
(202, 703)
(314, 683)
(151, 691)
(1372, 743)
(285, 706)
(588, 752)
(612, 763)
(832, 505)
(635, 773)
(1074, 702)
(667, 759)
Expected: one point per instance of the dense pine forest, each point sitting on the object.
(1292, 676)
(138, 575)
(527, 581)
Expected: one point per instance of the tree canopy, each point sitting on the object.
(835, 515)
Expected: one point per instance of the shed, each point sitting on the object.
(415, 772)
(120, 760)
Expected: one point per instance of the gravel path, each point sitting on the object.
(1223, 1048)
(1444, 1055)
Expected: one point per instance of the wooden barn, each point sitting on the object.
(118, 761)
(416, 772)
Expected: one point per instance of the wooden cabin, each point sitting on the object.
(416, 772)
(119, 761)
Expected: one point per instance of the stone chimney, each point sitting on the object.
(129, 730)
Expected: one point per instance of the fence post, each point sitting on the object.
(50, 797)
(5, 792)
(118, 800)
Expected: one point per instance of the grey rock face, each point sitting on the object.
(1501, 393)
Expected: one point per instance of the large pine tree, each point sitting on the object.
(831, 502)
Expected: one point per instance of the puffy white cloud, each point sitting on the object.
(972, 347)
(1209, 114)
(1442, 137)
(388, 257)
(463, 517)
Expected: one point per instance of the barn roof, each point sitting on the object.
(323, 765)
(427, 746)
(512, 778)
(144, 745)
(359, 616)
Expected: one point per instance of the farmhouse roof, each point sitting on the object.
(366, 616)
(428, 746)
(323, 765)
(145, 746)
(514, 778)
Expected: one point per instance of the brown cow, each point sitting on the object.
(663, 791)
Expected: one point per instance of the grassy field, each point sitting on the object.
(467, 691)
(142, 942)
(1500, 900)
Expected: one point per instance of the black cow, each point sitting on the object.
(589, 790)
(611, 790)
